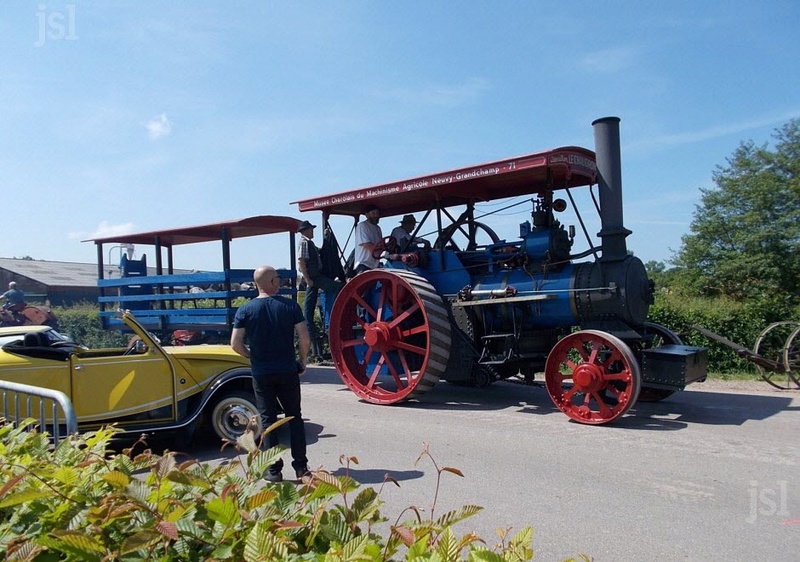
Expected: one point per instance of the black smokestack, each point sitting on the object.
(609, 177)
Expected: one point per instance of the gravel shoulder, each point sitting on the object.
(739, 386)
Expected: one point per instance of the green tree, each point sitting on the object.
(744, 240)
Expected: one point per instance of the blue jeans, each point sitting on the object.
(330, 289)
(269, 389)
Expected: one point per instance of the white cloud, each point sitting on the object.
(609, 60)
(443, 95)
(104, 230)
(159, 127)
(713, 132)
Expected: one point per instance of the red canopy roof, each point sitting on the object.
(559, 168)
(252, 226)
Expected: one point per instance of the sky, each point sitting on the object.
(120, 117)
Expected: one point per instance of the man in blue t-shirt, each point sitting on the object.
(269, 322)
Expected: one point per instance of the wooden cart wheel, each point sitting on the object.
(773, 344)
(592, 376)
(389, 335)
(661, 335)
(791, 356)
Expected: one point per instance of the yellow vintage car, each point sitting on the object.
(144, 388)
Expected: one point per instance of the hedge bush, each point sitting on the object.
(739, 322)
(82, 323)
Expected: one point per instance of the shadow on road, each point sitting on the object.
(673, 413)
(378, 476)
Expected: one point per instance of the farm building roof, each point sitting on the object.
(61, 273)
(53, 273)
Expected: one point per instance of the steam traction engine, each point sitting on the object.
(462, 305)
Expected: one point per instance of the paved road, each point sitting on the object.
(706, 474)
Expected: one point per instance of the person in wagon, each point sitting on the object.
(368, 236)
(14, 297)
(402, 233)
(309, 264)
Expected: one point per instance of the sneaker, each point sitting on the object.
(302, 472)
(273, 475)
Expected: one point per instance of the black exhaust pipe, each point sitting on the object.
(609, 178)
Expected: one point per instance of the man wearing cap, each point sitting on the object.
(309, 264)
(368, 235)
(402, 233)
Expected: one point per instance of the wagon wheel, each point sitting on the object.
(774, 344)
(791, 356)
(389, 335)
(446, 237)
(592, 376)
(661, 336)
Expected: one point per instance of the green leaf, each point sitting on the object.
(447, 547)
(453, 517)
(139, 541)
(485, 555)
(79, 541)
(117, 479)
(25, 496)
(355, 547)
(224, 512)
(336, 528)
(66, 475)
(366, 505)
(260, 498)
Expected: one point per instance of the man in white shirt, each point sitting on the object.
(368, 235)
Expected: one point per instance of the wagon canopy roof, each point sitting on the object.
(558, 168)
(251, 226)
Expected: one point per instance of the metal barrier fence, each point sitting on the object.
(21, 401)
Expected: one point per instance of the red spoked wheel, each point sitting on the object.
(389, 335)
(592, 376)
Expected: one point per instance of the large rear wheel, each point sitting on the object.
(389, 335)
(592, 376)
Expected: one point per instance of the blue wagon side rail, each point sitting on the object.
(51, 408)
(165, 302)
(165, 299)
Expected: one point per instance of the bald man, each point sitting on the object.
(269, 322)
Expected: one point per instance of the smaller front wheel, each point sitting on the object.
(233, 413)
(592, 377)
